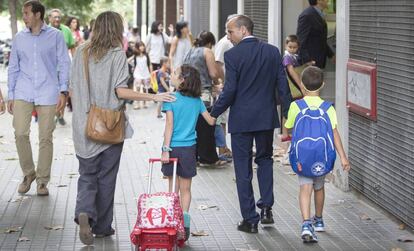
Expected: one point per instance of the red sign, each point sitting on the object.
(362, 88)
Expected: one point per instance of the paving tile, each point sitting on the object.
(345, 230)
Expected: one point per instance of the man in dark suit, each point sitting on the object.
(312, 33)
(254, 72)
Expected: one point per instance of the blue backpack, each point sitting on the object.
(312, 141)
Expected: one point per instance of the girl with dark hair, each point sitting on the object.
(141, 74)
(180, 134)
(201, 57)
(180, 44)
(157, 42)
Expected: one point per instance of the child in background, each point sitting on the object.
(163, 79)
(141, 72)
(180, 134)
(290, 62)
(312, 83)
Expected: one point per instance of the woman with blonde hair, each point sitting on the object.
(99, 77)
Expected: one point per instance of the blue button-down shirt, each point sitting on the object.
(38, 67)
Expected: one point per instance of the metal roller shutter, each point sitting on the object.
(257, 10)
(382, 152)
(200, 16)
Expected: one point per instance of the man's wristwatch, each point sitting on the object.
(66, 93)
(166, 149)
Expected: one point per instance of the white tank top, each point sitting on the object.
(141, 68)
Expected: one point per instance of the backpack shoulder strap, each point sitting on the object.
(325, 106)
(301, 104)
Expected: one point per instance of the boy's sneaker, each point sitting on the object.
(318, 224)
(187, 225)
(308, 234)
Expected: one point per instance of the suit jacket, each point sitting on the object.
(312, 33)
(254, 72)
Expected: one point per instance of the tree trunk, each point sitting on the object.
(13, 16)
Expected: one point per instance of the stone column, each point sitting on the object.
(342, 55)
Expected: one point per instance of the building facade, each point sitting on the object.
(382, 151)
(380, 32)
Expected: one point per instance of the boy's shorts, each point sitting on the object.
(318, 182)
(186, 166)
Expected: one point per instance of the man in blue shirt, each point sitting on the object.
(37, 79)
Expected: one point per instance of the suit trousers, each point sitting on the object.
(206, 142)
(22, 117)
(242, 144)
(96, 188)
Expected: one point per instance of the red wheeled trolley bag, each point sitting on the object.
(160, 222)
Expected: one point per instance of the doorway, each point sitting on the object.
(290, 13)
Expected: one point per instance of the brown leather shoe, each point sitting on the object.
(42, 190)
(24, 187)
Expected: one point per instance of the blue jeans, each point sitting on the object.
(220, 136)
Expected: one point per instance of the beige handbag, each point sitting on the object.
(103, 126)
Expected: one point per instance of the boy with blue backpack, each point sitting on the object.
(312, 153)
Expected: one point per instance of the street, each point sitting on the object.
(46, 223)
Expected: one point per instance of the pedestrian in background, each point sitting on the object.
(220, 48)
(293, 69)
(134, 36)
(89, 31)
(180, 45)
(86, 31)
(73, 24)
(104, 61)
(163, 80)
(254, 72)
(201, 57)
(37, 80)
(141, 72)
(156, 44)
(312, 32)
(55, 18)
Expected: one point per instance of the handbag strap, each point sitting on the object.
(86, 72)
(88, 82)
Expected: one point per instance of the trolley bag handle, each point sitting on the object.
(151, 166)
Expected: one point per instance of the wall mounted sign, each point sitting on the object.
(362, 88)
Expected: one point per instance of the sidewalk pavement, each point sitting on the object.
(352, 224)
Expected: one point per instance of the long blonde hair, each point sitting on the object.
(107, 34)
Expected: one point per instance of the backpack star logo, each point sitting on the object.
(318, 168)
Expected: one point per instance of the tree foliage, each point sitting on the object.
(77, 8)
(85, 10)
(123, 7)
